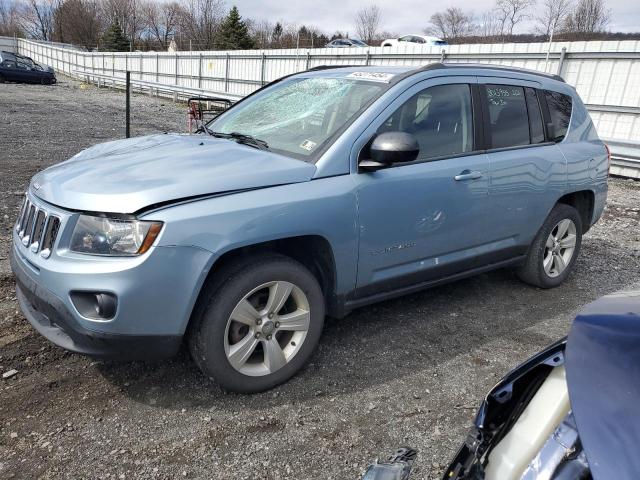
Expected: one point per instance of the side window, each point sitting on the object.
(536, 125)
(406, 38)
(560, 113)
(439, 117)
(509, 122)
(8, 64)
(418, 40)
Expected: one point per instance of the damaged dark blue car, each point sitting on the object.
(571, 412)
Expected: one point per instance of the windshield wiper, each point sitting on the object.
(240, 138)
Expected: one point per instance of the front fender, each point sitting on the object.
(324, 207)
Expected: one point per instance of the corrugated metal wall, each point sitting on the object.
(605, 73)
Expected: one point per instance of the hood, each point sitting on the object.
(124, 176)
(603, 375)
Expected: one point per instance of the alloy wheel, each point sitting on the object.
(559, 248)
(267, 328)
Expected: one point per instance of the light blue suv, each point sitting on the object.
(320, 193)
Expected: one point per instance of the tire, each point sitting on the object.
(243, 290)
(550, 259)
(2, 80)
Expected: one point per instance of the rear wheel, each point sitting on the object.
(257, 323)
(554, 251)
(2, 80)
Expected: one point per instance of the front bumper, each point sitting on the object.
(48, 314)
(155, 294)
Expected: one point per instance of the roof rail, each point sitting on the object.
(329, 67)
(485, 66)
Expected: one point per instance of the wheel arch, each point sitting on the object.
(313, 251)
(584, 202)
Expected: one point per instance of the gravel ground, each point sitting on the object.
(410, 371)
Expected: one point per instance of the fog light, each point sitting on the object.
(105, 305)
(95, 305)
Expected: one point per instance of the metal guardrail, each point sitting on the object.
(625, 158)
(152, 88)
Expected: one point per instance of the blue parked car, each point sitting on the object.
(319, 193)
(570, 412)
(18, 68)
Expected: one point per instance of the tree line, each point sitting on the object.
(563, 19)
(123, 25)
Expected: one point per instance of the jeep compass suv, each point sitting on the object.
(319, 193)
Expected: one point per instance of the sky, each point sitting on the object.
(399, 16)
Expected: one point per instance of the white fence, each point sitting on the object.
(606, 74)
(8, 44)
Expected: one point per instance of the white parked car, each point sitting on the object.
(414, 40)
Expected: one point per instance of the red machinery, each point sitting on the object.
(203, 109)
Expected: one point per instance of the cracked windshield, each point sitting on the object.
(299, 117)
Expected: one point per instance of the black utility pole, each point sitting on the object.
(128, 105)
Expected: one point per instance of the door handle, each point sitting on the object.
(467, 175)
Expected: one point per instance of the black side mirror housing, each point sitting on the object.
(389, 148)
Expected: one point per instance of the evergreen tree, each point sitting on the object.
(114, 40)
(277, 32)
(233, 33)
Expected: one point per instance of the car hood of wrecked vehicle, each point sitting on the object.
(125, 176)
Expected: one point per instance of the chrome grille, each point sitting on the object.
(37, 228)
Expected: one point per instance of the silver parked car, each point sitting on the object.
(346, 43)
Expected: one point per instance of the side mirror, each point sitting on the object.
(389, 148)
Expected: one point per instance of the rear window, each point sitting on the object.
(560, 113)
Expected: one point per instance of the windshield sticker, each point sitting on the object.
(308, 145)
(372, 76)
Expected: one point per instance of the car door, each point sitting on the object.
(528, 172)
(428, 218)
(24, 73)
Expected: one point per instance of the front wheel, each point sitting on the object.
(257, 323)
(554, 251)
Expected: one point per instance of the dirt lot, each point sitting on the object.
(409, 371)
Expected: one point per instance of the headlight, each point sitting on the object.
(113, 236)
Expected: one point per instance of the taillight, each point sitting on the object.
(606, 147)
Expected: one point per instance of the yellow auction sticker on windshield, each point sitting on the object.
(372, 76)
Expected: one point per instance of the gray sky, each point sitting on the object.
(401, 16)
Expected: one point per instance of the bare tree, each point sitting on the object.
(78, 22)
(262, 32)
(161, 20)
(37, 18)
(487, 24)
(589, 16)
(200, 21)
(451, 24)
(552, 16)
(128, 15)
(512, 12)
(367, 23)
(10, 19)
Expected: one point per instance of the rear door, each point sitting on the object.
(528, 170)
